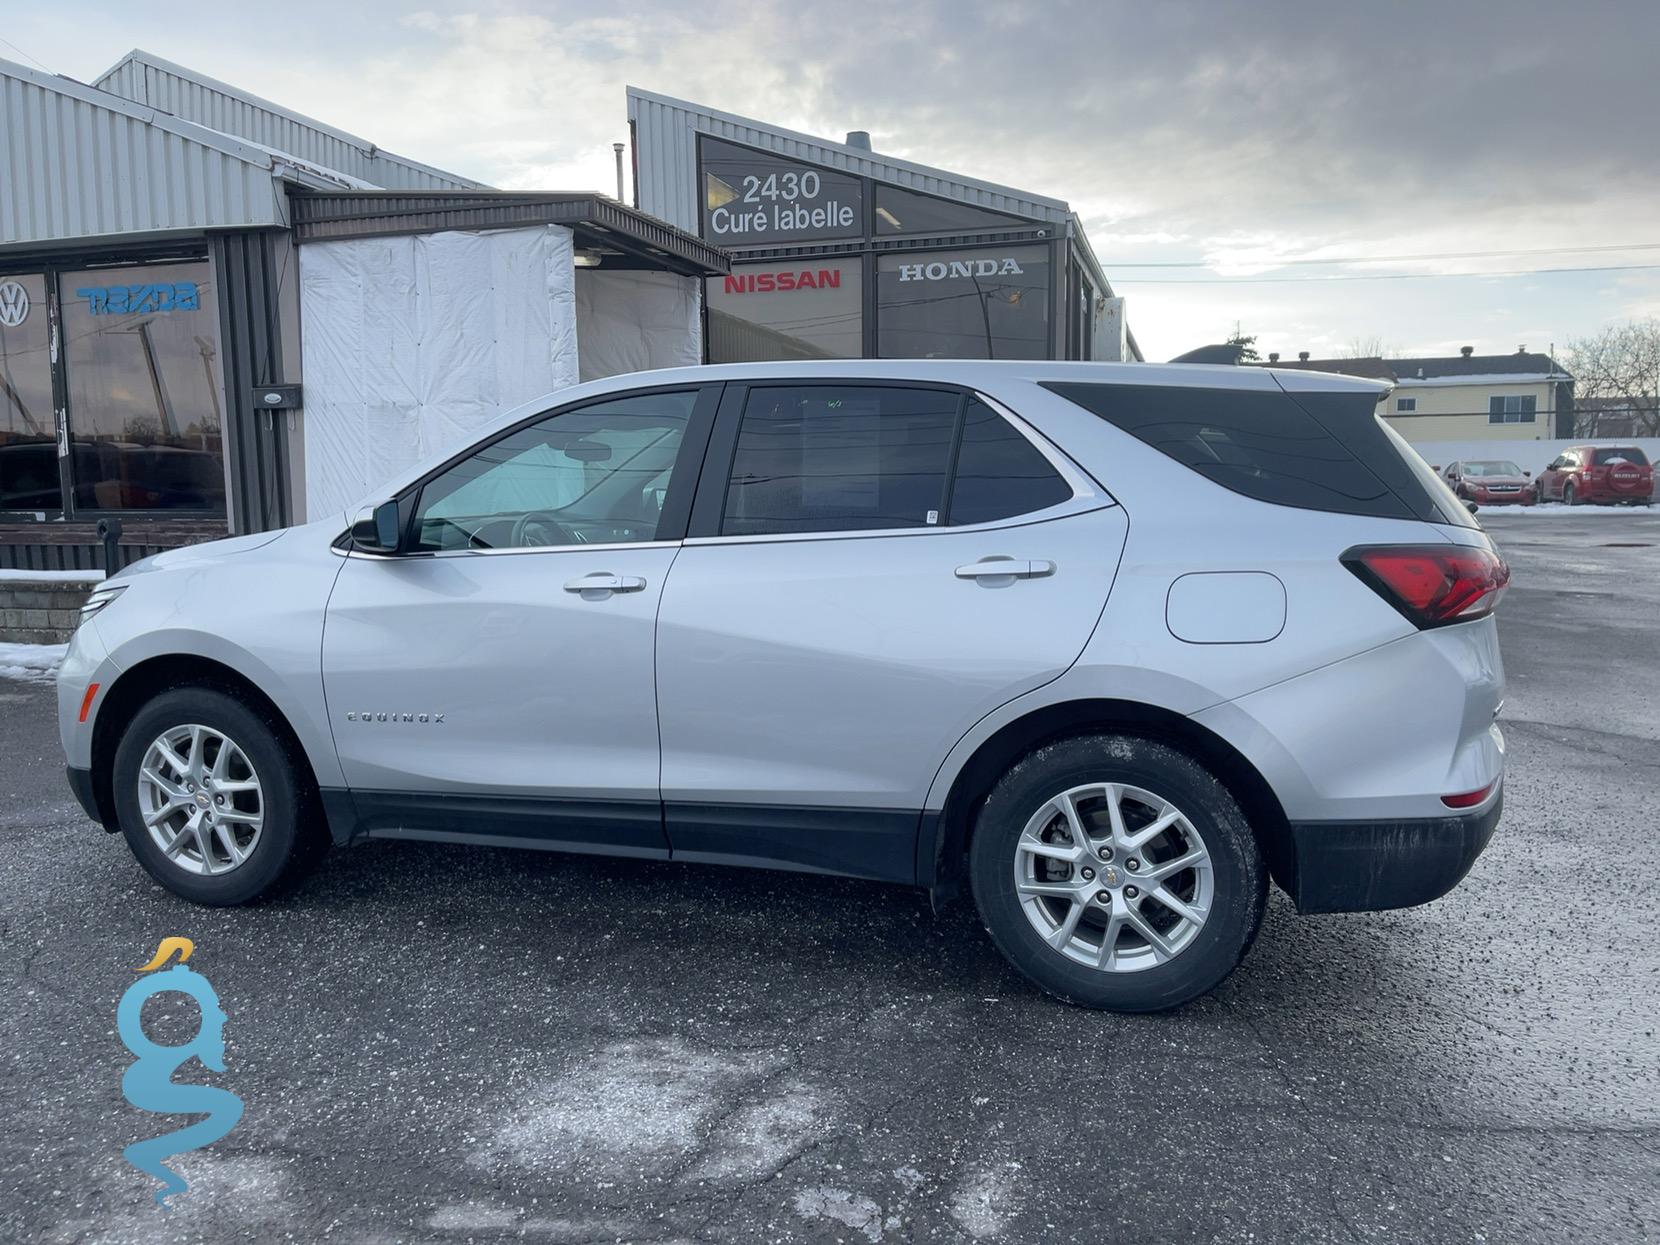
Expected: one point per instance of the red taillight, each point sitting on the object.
(1433, 585)
(1470, 798)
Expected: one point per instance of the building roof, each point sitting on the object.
(1523, 366)
(620, 237)
(147, 79)
(77, 162)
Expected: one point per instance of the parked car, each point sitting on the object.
(1490, 482)
(1088, 638)
(1605, 474)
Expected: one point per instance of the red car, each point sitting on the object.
(1598, 473)
(1490, 482)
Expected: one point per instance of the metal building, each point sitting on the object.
(841, 252)
(180, 261)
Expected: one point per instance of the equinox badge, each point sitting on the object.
(395, 717)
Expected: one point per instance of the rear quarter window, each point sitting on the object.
(1315, 451)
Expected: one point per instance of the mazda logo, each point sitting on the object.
(14, 304)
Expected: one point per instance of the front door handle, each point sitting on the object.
(601, 584)
(1006, 569)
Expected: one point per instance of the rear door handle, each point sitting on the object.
(596, 586)
(1005, 568)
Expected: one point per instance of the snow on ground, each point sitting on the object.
(36, 663)
(45, 577)
(1551, 509)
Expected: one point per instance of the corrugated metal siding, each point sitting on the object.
(221, 108)
(72, 169)
(665, 143)
(256, 442)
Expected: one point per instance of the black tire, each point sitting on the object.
(1240, 878)
(288, 840)
(1570, 495)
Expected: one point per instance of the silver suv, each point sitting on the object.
(1114, 645)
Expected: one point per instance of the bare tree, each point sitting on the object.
(1364, 348)
(1617, 371)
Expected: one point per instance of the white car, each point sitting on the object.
(1113, 644)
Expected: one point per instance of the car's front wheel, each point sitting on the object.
(209, 797)
(1117, 872)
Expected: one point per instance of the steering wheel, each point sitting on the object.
(540, 527)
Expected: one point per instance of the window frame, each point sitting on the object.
(1523, 414)
(709, 505)
(1406, 406)
(671, 524)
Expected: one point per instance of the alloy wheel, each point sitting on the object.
(1114, 877)
(200, 799)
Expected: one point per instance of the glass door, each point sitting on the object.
(28, 422)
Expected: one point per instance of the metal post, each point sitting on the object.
(109, 532)
(617, 148)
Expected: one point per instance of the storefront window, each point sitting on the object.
(28, 439)
(141, 347)
(906, 211)
(806, 309)
(988, 303)
(752, 197)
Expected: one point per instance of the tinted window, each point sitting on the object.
(999, 472)
(1515, 409)
(1621, 454)
(754, 196)
(28, 420)
(824, 458)
(1318, 451)
(906, 211)
(988, 303)
(597, 475)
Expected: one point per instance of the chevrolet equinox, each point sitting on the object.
(1111, 646)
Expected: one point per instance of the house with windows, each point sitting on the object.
(1465, 397)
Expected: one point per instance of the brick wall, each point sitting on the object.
(40, 611)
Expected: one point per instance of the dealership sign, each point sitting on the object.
(778, 282)
(974, 268)
(14, 304)
(123, 300)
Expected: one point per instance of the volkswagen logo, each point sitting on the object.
(14, 304)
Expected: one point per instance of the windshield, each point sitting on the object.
(1622, 454)
(1495, 467)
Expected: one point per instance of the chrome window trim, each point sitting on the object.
(607, 547)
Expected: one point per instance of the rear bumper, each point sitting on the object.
(80, 784)
(1367, 866)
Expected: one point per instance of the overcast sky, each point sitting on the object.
(1226, 133)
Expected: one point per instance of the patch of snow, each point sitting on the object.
(1555, 509)
(9, 574)
(763, 1135)
(633, 1106)
(472, 1217)
(859, 1213)
(33, 663)
(985, 1203)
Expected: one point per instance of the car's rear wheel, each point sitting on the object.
(1117, 872)
(210, 798)
(1570, 495)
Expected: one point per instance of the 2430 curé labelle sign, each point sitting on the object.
(752, 197)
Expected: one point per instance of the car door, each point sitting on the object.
(495, 676)
(872, 567)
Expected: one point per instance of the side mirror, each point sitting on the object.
(1471, 507)
(1527, 475)
(375, 530)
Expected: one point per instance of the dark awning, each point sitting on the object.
(622, 236)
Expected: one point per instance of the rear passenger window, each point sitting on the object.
(831, 458)
(999, 472)
(1268, 446)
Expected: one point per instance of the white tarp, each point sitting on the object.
(410, 344)
(630, 321)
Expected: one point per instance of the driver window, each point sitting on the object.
(595, 475)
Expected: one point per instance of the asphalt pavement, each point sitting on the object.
(448, 1044)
